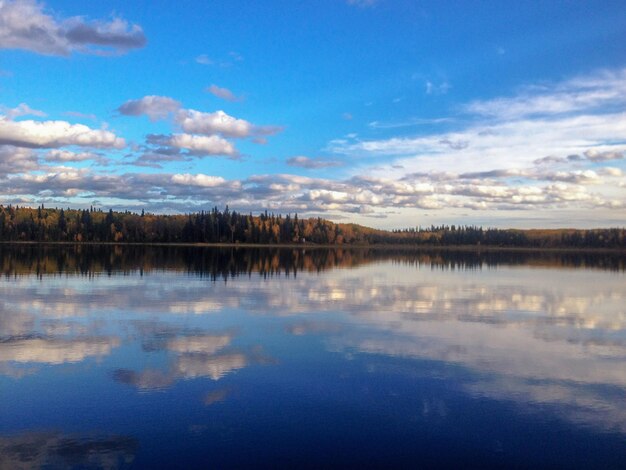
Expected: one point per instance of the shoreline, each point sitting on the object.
(311, 246)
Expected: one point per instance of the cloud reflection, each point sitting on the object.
(54, 350)
(525, 333)
(53, 450)
(195, 355)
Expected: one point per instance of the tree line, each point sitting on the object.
(43, 224)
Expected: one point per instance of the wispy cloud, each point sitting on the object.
(584, 115)
(232, 58)
(204, 59)
(21, 110)
(79, 115)
(434, 88)
(223, 93)
(362, 3)
(312, 163)
(409, 123)
(604, 90)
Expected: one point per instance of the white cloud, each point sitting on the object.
(204, 133)
(25, 25)
(219, 122)
(17, 160)
(206, 181)
(496, 166)
(223, 93)
(606, 89)
(203, 145)
(600, 156)
(486, 146)
(57, 155)
(372, 196)
(54, 134)
(611, 171)
(155, 107)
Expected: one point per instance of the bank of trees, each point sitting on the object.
(225, 226)
(214, 226)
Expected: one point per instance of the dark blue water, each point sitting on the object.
(183, 358)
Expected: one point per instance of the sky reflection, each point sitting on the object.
(543, 340)
(53, 450)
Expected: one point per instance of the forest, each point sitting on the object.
(43, 224)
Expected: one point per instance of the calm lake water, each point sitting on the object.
(193, 357)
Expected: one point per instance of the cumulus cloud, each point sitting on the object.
(67, 156)
(203, 133)
(219, 122)
(180, 147)
(599, 156)
(17, 160)
(54, 134)
(312, 163)
(611, 171)
(549, 160)
(155, 107)
(156, 159)
(371, 196)
(483, 166)
(25, 25)
(116, 34)
(223, 93)
(197, 122)
(202, 144)
(206, 181)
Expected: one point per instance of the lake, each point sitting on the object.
(172, 357)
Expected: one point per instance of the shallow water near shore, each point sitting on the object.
(173, 357)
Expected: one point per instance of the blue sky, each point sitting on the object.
(382, 112)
